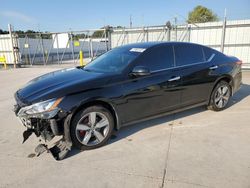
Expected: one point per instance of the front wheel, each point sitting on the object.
(91, 127)
(220, 96)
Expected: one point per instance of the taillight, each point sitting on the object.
(239, 62)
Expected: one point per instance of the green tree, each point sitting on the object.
(3, 32)
(98, 34)
(201, 14)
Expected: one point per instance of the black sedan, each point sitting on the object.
(128, 84)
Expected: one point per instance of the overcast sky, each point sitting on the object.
(49, 15)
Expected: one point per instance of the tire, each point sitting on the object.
(220, 96)
(91, 127)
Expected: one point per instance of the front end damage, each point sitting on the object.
(46, 121)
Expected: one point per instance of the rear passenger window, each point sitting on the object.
(186, 54)
(208, 53)
(158, 58)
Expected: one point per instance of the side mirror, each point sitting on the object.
(140, 71)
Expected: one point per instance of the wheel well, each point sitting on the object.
(99, 103)
(226, 79)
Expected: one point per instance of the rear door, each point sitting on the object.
(195, 73)
(153, 94)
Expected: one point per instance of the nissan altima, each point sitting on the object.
(125, 85)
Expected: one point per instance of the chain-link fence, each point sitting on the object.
(230, 37)
(60, 48)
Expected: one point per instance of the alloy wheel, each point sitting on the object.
(222, 96)
(92, 128)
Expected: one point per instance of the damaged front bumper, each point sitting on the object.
(46, 126)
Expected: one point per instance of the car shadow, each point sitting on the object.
(240, 95)
(124, 132)
(132, 129)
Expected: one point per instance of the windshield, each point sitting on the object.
(115, 60)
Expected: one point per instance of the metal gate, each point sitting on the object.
(61, 48)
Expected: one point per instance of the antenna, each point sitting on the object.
(225, 13)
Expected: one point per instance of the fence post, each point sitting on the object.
(29, 49)
(169, 34)
(12, 43)
(110, 38)
(57, 46)
(41, 44)
(105, 36)
(145, 34)
(72, 44)
(91, 48)
(169, 26)
(189, 33)
(223, 33)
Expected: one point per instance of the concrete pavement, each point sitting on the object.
(194, 148)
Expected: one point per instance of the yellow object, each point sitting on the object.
(81, 58)
(3, 60)
(76, 43)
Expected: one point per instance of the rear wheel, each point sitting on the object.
(91, 127)
(220, 96)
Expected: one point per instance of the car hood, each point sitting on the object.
(61, 83)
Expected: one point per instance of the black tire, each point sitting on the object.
(213, 103)
(99, 110)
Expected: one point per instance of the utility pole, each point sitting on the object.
(130, 21)
(142, 20)
(175, 25)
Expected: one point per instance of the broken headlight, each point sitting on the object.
(46, 109)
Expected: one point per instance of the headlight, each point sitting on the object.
(44, 109)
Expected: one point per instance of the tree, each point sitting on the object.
(98, 34)
(108, 28)
(201, 14)
(79, 36)
(3, 32)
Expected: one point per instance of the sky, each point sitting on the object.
(75, 15)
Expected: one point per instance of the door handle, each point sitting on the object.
(174, 79)
(213, 67)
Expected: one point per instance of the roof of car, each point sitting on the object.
(151, 44)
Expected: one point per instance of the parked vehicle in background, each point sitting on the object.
(125, 85)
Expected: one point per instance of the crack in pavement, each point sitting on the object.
(189, 183)
(165, 172)
(167, 155)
